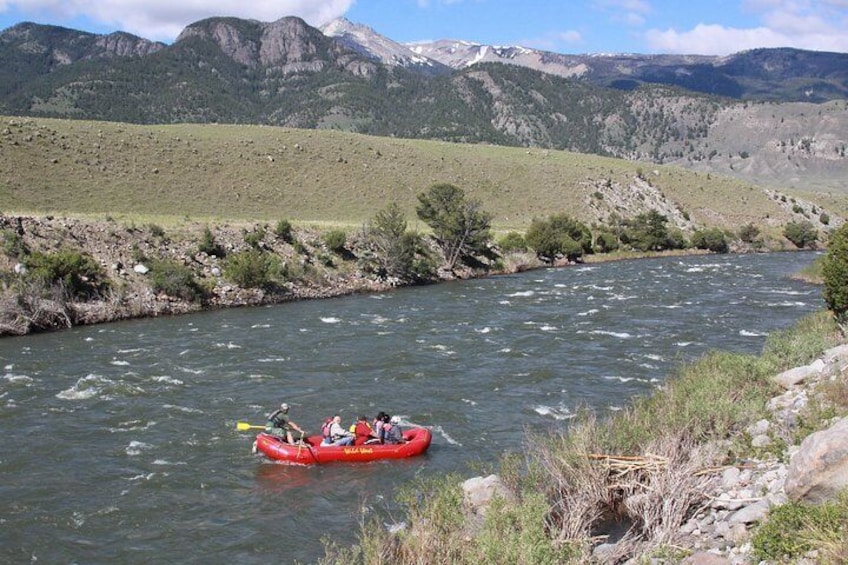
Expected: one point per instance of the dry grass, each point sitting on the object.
(211, 173)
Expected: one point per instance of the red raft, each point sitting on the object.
(311, 452)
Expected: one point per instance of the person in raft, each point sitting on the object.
(280, 425)
(339, 435)
(392, 432)
(377, 426)
(363, 432)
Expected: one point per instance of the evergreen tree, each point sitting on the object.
(460, 226)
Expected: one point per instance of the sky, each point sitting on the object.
(703, 27)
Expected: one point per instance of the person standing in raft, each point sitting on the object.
(280, 425)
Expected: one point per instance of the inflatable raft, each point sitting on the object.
(311, 452)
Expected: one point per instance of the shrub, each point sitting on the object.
(335, 240)
(157, 231)
(793, 529)
(559, 235)
(513, 242)
(712, 239)
(255, 237)
(32, 305)
(824, 218)
(802, 234)
(208, 244)
(251, 269)
(749, 233)
(835, 275)
(605, 241)
(14, 245)
(283, 230)
(79, 274)
(175, 280)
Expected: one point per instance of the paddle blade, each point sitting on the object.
(244, 426)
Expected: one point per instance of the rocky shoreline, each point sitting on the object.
(125, 253)
(737, 497)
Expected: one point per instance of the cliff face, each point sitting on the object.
(61, 46)
(286, 46)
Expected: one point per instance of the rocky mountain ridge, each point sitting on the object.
(288, 73)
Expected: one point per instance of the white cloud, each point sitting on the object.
(628, 12)
(164, 19)
(571, 36)
(554, 41)
(818, 25)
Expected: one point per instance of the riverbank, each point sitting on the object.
(128, 255)
(149, 271)
(716, 467)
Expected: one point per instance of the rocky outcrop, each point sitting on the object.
(287, 45)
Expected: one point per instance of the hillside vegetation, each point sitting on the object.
(662, 109)
(263, 173)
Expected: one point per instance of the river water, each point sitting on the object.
(119, 441)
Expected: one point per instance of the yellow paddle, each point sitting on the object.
(244, 426)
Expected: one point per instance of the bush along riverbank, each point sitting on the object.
(61, 272)
(736, 459)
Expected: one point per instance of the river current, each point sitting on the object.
(119, 442)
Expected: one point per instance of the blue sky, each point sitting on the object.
(712, 27)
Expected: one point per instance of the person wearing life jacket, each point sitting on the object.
(363, 432)
(377, 426)
(326, 436)
(339, 435)
(280, 425)
(392, 432)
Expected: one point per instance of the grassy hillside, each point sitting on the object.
(208, 172)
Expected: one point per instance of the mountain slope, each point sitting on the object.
(763, 74)
(287, 73)
(380, 48)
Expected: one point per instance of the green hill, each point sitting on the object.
(204, 172)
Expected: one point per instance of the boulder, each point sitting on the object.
(705, 558)
(478, 493)
(838, 354)
(819, 470)
(795, 376)
(751, 513)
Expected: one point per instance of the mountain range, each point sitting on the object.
(776, 116)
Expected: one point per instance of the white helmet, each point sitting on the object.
(284, 407)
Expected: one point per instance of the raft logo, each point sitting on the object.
(354, 450)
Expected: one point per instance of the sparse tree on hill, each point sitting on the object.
(459, 225)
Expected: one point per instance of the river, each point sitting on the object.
(119, 441)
